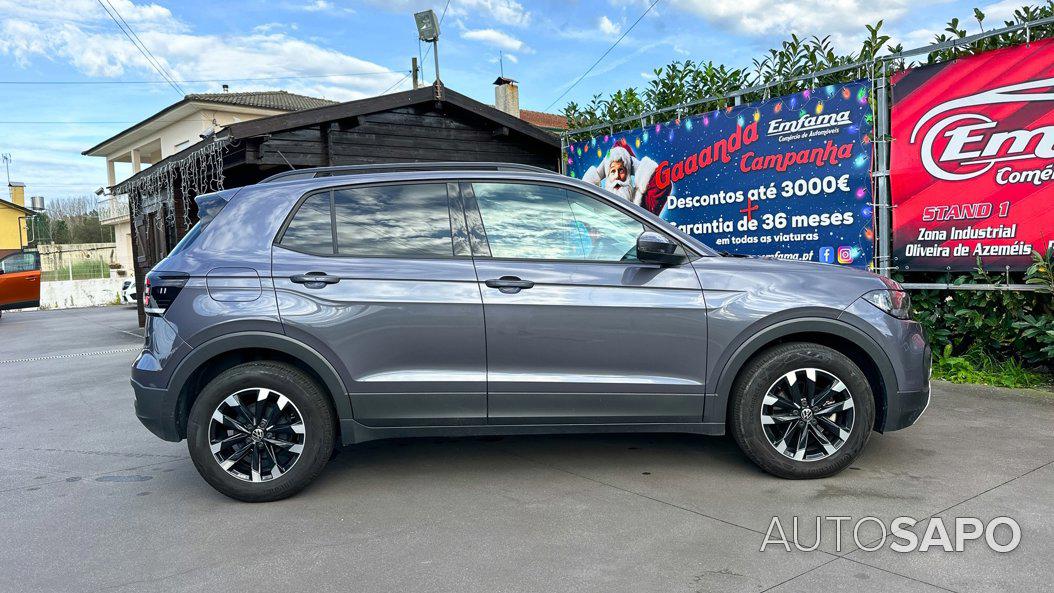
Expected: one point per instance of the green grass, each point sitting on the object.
(82, 270)
(977, 367)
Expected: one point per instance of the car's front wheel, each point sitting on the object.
(261, 431)
(802, 410)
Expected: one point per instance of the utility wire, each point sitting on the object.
(145, 48)
(604, 55)
(146, 53)
(397, 83)
(199, 80)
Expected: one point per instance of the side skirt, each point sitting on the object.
(20, 305)
(354, 432)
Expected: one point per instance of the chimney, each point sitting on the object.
(17, 191)
(507, 96)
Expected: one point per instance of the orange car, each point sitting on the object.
(20, 280)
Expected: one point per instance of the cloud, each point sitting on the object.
(99, 50)
(317, 6)
(842, 20)
(607, 27)
(605, 30)
(323, 6)
(142, 15)
(495, 38)
(506, 12)
(511, 58)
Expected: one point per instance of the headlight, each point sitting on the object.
(895, 302)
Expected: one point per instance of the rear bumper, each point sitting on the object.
(156, 409)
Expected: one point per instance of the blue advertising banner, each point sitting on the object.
(788, 178)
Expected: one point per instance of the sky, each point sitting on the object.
(345, 50)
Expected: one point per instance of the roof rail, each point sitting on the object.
(314, 172)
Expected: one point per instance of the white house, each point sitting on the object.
(170, 130)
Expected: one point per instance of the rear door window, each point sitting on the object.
(399, 221)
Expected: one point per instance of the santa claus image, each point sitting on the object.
(632, 178)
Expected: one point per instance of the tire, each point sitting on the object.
(284, 456)
(765, 387)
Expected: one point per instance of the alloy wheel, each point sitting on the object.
(256, 434)
(807, 414)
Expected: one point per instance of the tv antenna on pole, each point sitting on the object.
(7, 165)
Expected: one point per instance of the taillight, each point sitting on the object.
(161, 290)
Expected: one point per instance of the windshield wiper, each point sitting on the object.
(730, 254)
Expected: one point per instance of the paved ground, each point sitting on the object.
(90, 501)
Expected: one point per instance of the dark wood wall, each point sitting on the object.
(407, 134)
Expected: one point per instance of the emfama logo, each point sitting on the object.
(808, 123)
(965, 145)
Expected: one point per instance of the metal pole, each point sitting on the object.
(882, 199)
(435, 52)
(563, 154)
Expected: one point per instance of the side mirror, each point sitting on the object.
(656, 248)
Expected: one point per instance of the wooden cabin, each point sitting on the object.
(422, 125)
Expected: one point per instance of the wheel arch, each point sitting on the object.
(861, 348)
(217, 355)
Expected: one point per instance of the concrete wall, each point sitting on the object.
(70, 294)
(122, 234)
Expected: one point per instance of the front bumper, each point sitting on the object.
(903, 409)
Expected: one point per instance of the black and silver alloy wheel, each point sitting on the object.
(807, 414)
(801, 410)
(256, 434)
(261, 430)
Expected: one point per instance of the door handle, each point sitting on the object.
(509, 284)
(314, 279)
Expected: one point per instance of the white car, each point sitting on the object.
(128, 293)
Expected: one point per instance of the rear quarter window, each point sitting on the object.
(311, 228)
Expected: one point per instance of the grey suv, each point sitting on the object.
(335, 306)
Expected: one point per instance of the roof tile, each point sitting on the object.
(282, 100)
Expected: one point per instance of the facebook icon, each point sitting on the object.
(827, 255)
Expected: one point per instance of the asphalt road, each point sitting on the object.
(91, 501)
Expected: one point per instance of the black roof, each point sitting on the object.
(310, 117)
(338, 111)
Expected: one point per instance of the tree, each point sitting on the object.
(787, 68)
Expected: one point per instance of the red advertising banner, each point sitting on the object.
(972, 161)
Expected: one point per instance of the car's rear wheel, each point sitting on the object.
(261, 431)
(802, 410)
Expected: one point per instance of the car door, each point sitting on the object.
(381, 276)
(20, 280)
(579, 330)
